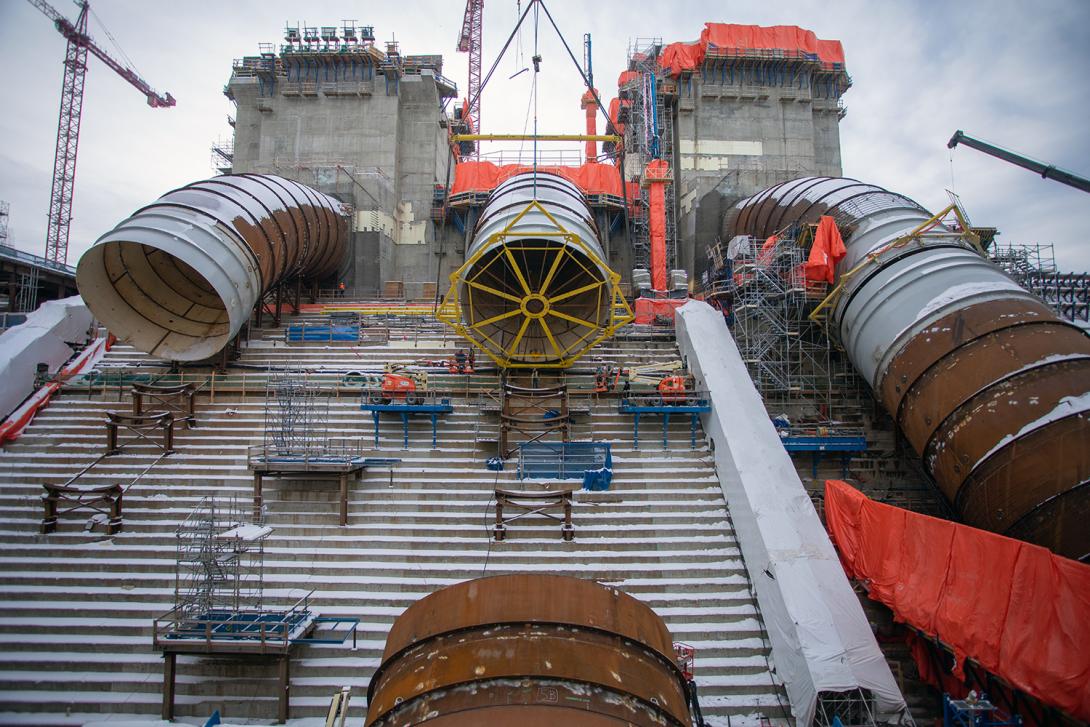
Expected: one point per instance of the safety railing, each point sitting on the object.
(266, 629)
(562, 460)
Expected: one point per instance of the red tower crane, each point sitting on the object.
(64, 163)
(470, 42)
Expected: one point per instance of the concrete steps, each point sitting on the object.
(76, 607)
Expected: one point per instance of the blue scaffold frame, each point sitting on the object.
(693, 406)
(432, 411)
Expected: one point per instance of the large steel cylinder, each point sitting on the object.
(535, 290)
(528, 650)
(179, 277)
(987, 383)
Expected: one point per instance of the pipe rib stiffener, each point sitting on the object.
(179, 277)
(531, 650)
(535, 290)
(989, 385)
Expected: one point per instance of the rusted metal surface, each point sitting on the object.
(539, 649)
(180, 276)
(987, 383)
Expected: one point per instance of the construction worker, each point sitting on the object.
(340, 289)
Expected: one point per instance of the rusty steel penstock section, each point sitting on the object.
(528, 650)
(179, 277)
(987, 383)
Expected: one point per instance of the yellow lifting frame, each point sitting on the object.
(821, 311)
(450, 311)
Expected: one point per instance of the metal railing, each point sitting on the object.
(562, 460)
(270, 630)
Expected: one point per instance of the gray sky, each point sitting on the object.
(1014, 73)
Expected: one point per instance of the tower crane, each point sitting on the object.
(1047, 171)
(75, 71)
(469, 41)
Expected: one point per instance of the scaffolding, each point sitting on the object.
(220, 561)
(764, 290)
(1033, 266)
(26, 300)
(296, 414)
(223, 155)
(649, 134)
(5, 218)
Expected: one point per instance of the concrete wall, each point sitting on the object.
(383, 153)
(735, 138)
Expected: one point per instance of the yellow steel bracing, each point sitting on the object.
(821, 311)
(616, 313)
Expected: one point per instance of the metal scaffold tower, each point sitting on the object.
(296, 413)
(1033, 266)
(220, 561)
(649, 134)
(764, 290)
(5, 217)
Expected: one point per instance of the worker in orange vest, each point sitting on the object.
(340, 289)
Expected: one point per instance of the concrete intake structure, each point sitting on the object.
(535, 290)
(528, 650)
(179, 277)
(987, 383)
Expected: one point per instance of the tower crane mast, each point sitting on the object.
(469, 41)
(75, 72)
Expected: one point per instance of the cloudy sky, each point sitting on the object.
(1014, 73)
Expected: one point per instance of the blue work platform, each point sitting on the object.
(431, 410)
(818, 445)
(692, 406)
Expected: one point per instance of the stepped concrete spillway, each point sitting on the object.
(77, 607)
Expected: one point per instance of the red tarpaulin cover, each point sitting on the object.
(826, 252)
(657, 172)
(626, 76)
(648, 309)
(731, 38)
(1020, 611)
(474, 176)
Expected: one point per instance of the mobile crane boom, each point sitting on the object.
(1048, 171)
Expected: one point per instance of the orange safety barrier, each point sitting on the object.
(729, 38)
(474, 176)
(1018, 610)
(826, 252)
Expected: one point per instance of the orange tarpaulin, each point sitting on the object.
(474, 176)
(1017, 609)
(657, 173)
(647, 310)
(626, 76)
(764, 257)
(826, 252)
(729, 38)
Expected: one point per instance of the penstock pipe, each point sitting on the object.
(535, 290)
(987, 383)
(178, 278)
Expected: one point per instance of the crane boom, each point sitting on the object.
(469, 41)
(1047, 171)
(64, 162)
